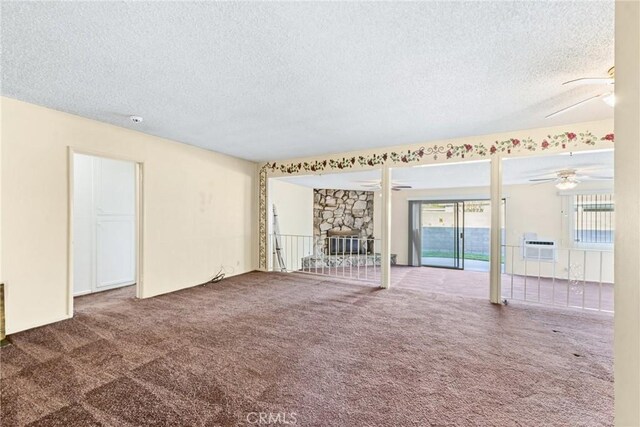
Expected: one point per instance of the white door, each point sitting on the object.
(104, 224)
(115, 223)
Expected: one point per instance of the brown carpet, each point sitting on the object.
(332, 353)
(559, 292)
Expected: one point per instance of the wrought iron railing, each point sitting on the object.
(337, 256)
(576, 278)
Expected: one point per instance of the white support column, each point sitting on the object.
(496, 232)
(626, 350)
(385, 258)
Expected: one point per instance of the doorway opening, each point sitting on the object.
(105, 225)
(456, 233)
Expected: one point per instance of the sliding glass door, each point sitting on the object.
(442, 234)
(451, 234)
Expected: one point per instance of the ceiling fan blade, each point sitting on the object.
(591, 81)
(584, 170)
(550, 175)
(553, 170)
(570, 107)
(541, 182)
(543, 179)
(598, 177)
(401, 186)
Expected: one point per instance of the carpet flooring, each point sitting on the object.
(313, 351)
(560, 292)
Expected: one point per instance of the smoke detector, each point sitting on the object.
(136, 119)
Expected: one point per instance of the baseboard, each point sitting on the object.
(234, 274)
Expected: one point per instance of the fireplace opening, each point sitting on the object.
(347, 242)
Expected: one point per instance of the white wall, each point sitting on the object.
(529, 208)
(200, 209)
(627, 175)
(1, 145)
(294, 204)
(540, 209)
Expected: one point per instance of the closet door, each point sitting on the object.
(115, 223)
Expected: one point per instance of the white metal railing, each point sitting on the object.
(576, 278)
(349, 257)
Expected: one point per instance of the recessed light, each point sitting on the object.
(136, 119)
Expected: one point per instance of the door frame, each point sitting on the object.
(462, 201)
(138, 221)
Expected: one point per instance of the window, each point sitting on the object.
(594, 219)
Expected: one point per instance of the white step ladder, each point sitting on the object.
(277, 249)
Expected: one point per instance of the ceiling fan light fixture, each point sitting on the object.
(609, 99)
(566, 184)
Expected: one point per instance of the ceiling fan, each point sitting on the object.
(606, 96)
(376, 184)
(566, 179)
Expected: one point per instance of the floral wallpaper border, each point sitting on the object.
(563, 141)
(435, 152)
(262, 220)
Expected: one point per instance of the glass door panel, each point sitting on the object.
(442, 240)
(477, 233)
(457, 234)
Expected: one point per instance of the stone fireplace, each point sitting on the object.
(342, 213)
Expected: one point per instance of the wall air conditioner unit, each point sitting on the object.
(535, 249)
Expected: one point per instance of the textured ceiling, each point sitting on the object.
(273, 80)
(469, 174)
